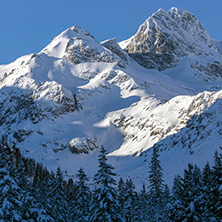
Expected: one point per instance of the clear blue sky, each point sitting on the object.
(27, 26)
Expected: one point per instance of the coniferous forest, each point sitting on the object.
(29, 192)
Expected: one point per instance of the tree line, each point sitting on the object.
(29, 192)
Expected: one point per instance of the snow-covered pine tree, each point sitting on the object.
(130, 208)
(207, 198)
(83, 195)
(121, 191)
(217, 191)
(167, 202)
(143, 205)
(55, 199)
(17, 171)
(192, 186)
(10, 193)
(10, 197)
(175, 209)
(104, 205)
(30, 167)
(33, 210)
(156, 186)
(71, 190)
(219, 202)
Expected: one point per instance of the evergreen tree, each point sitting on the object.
(143, 205)
(104, 205)
(156, 179)
(130, 208)
(219, 202)
(55, 200)
(176, 209)
(121, 188)
(217, 190)
(10, 197)
(207, 197)
(83, 195)
(156, 186)
(192, 186)
(30, 166)
(18, 169)
(71, 191)
(33, 210)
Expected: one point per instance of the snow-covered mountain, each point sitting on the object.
(163, 87)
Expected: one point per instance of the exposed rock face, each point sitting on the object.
(51, 93)
(78, 51)
(165, 37)
(16, 106)
(48, 100)
(113, 46)
(211, 70)
(199, 128)
(83, 145)
(82, 47)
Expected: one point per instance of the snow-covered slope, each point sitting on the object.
(61, 104)
(218, 44)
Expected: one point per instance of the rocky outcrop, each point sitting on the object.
(211, 71)
(53, 98)
(114, 47)
(78, 51)
(83, 145)
(47, 101)
(206, 126)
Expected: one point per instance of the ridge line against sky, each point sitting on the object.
(28, 26)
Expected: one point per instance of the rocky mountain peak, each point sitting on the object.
(76, 31)
(77, 45)
(190, 24)
(165, 37)
(58, 46)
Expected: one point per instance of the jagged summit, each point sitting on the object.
(165, 37)
(188, 22)
(58, 46)
(77, 45)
